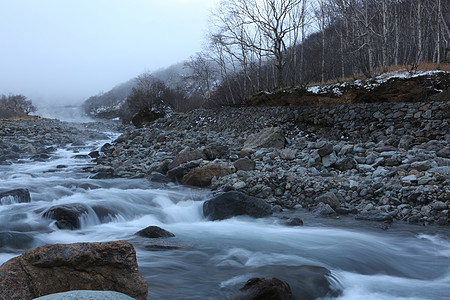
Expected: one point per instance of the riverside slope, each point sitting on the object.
(379, 161)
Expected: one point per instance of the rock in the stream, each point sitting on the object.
(313, 282)
(233, 203)
(154, 232)
(328, 198)
(67, 216)
(59, 268)
(266, 288)
(15, 196)
(374, 215)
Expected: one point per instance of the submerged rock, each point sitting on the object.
(59, 268)
(266, 288)
(15, 196)
(67, 216)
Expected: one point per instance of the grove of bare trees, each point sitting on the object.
(258, 45)
(16, 104)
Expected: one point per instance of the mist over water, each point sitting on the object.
(67, 113)
(212, 260)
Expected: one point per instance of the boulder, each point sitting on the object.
(186, 156)
(328, 198)
(374, 215)
(324, 210)
(234, 203)
(325, 150)
(244, 164)
(86, 295)
(444, 152)
(67, 216)
(177, 173)
(202, 176)
(107, 148)
(272, 137)
(60, 268)
(154, 232)
(266, 288)
(344, 164)
(312, 282)
(215, 150)
(15, 196)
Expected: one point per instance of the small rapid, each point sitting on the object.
(212, 260)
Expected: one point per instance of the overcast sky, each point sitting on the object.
(68, 50)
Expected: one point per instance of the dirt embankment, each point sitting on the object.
(429, 87)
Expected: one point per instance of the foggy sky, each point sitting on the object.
(68, 50)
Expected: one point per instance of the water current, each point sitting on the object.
(212, 260)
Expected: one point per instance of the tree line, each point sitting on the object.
(15, 105)
(256, 45)
(262, 45)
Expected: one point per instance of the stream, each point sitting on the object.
(213, 260)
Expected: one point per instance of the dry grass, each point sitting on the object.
(424, 66)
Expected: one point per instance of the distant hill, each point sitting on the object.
(106, 105)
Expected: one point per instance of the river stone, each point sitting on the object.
(325, 210)
(421, 165)
(444, 152)
(244, 164)
(186, 156)
(266, 288)
(313, 283)
(329, 160)
(86, 295)
(328, 198)
(215, 150)
(15, 196)
(231, 204)
(60, 268)
(344, 164)
(325, 150)
(154, 232)
(272, 137)
(202, 176)
(67, 216)
(374, 215)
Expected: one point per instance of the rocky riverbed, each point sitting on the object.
(380, 162)
(36, 138)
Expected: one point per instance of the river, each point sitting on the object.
(212, 260)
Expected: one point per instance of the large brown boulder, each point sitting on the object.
(60, 268)
(202, 176)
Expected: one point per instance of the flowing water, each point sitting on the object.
(212, 260)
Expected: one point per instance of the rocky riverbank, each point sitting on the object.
(382, 161)
(37, 138)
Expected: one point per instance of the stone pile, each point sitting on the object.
(377, 161)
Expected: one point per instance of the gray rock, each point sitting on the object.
(244, 164)
(323, 209)
(328, 198)
(344, 164)
(444, 152)
(272, 137)
(15, 196)
(365, 168)
(421, 165)
(329, 160)
(374, 215)
(233, 203)
(86, 295)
